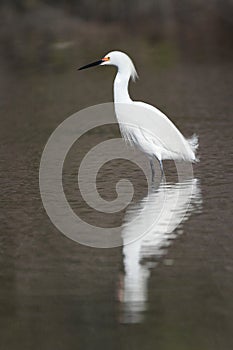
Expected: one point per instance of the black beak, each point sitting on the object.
(97, 63)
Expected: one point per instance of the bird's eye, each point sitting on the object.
(106, 58)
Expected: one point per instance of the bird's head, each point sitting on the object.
(118, 59)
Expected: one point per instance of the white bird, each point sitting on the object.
(141, 124)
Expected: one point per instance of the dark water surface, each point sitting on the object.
(172, 291)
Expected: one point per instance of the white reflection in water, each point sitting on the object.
(171, 204)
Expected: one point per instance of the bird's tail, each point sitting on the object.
(193, 143)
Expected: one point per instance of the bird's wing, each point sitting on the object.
(150, 127)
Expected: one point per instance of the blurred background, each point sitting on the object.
(44, 41)
(54, 292)
(52, 33)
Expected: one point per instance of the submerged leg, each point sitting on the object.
(161, 167)
(152, 170)
(152, 165)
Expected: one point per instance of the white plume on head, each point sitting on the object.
(134, 74)
(123, 62)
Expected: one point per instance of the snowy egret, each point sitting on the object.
(165, 141)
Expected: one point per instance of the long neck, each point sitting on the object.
(121, 82)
